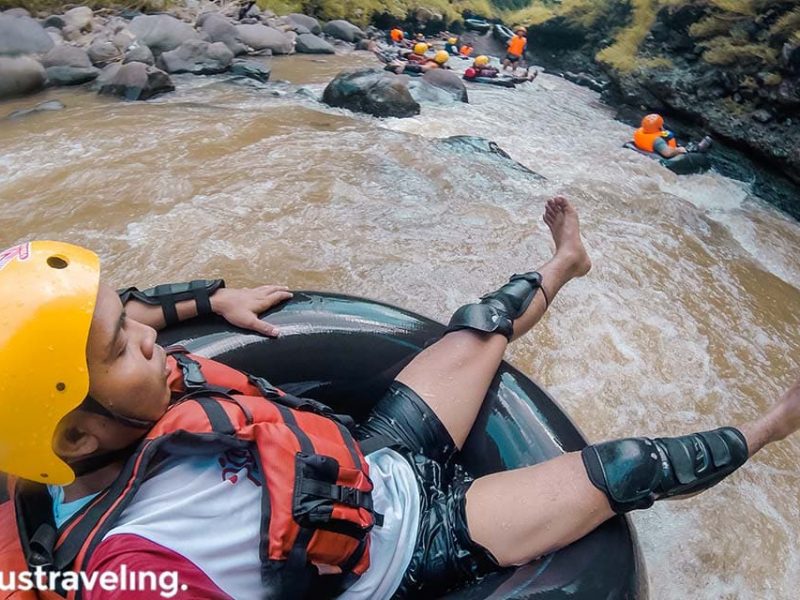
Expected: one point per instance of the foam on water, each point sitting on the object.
(689, 319)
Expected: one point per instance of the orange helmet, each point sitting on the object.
(652, 123)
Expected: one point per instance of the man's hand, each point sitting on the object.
(241, 307)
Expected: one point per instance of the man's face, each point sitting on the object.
(127, 369)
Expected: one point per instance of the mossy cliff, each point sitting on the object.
(731, 66)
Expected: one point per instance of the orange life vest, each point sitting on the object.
(516, 45)
(317, 487)
(396, 34)
(465, 50)
(644, 141)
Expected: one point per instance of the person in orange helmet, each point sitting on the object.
(652, 137)
(516, 49)
(397, 36)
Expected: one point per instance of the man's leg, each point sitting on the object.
(453, 375)
(552, 504)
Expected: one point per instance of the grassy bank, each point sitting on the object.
(724, 32)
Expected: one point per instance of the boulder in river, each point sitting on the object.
(308, 43)
(66, 75)
(137, 81)
(20, 75)
(102, 52)
(66, 56)
(161, 33)
(22, 35)
(139, 53)
(371, 91)
(343, 30)
(309, 23)
(197, 57)
(251, 69)
(447, 81)
(260, 37)
(216, 28)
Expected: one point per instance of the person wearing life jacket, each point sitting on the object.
(465, 51)
(417, 55)
(397, 36)
(451, 47)
(121, 456)
(481, 68)
(439, 61)
(516, 49)
(652, 137)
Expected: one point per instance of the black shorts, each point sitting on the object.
(445, 557)
(513, 58)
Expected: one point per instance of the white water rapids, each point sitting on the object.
(690, 318)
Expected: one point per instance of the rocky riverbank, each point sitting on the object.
(733, 74)
(133, 55)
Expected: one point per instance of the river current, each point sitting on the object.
(690, 318)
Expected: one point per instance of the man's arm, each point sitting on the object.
(661, 147)
(239, 307)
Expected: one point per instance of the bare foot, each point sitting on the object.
(562, 219)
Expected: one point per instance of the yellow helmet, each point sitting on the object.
(48, 292)
(482, 60)
(420, 48)
(441, 57)
(452, 40)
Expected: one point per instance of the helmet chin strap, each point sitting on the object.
(97, 462)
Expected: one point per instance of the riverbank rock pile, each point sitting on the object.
(132, 55)
(734, 73)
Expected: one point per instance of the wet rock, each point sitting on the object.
(197, 57)
(137, 81)
(261, 37)
(22, 35)
(20, 75)
(50, 105)
(66, 56)
(55, 35)
(79, 17)
(139, 53)
(308, 43)
(343, 30)
(371, 91)
(251, 69)
(67, 75)
(447, 81)
(762, 116)
(216, 28)
(309, 23)
(56, 21)
(16, 12)
(161, 33)
(585, 80)
(101, 52)
(788, 94)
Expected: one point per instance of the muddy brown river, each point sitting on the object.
(689, 320)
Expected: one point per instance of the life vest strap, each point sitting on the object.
(338, 493)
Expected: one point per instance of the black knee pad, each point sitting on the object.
(635, 472)
(496, 312)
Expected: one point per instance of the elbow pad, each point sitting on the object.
(169, 294)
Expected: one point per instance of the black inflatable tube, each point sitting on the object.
(345, 351)
(506, 82)
(683, 164)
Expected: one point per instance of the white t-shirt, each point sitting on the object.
(208, 510)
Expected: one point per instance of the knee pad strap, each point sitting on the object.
(635, 472)
(496, 312)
